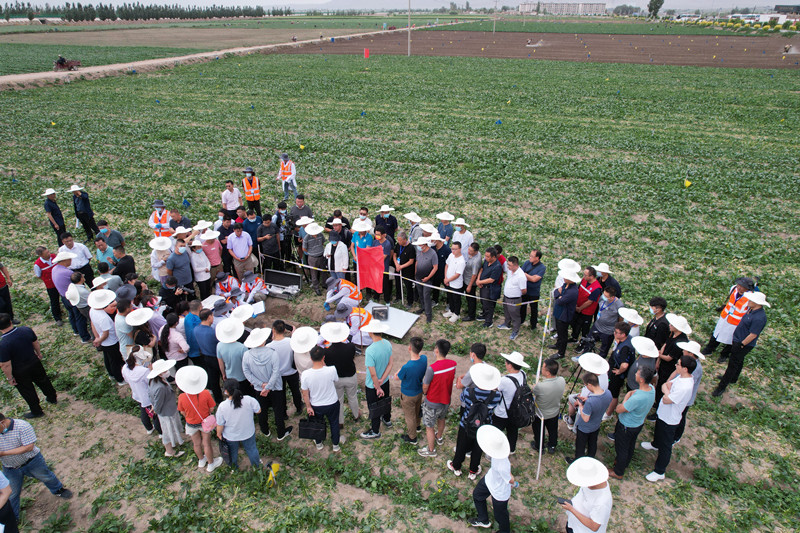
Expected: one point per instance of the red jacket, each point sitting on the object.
(586, 290)
(47, 271)
(441, 387)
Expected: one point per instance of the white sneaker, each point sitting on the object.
(214, 465)
(320, 445)
(336, 448)
(202, 462)
(647, 446)
(607, 416)
(452, 468)
(454, 318)
(150, 431)
(474, 476)
(652, 476)
(447, 314)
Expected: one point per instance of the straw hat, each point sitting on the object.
(591, 362)
(101, 299)
(427, 228)
(645, 347)
(679, 323)
(191, 379)
(602, 268)
(161, 366)
(444, 215)
(48, 192)
(587, 472)
(516, 358)
(422, 240)
(385, 209)
(304, 221)
(303, 339)
(692, 347)
(375, 326)
(630, 315)
(757, 298)
(161, 243)
(460, 222)
(64, 256)
(411, 217)
(314, 229)
(243, 312)
(209, 235)
(569, 264)
(334, 331)
(75, 188)
(72, 294)
(570, 275)
(257, 337)
(229, 330)
(485, 376)
(361, 225)
(140, 316)
(493, 442)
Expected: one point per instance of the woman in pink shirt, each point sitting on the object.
(173, 342)
(212, 248)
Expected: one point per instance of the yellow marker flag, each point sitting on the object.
(508, 102)
(302, 147)
(52, 123)
(686, 183)
(606, 79)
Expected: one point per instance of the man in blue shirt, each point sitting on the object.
(179, 264)
(54, 214)
(251, 224)
(378, 362)
(534, 270)
(190, 322)
(565, 298)
(410, 376)
(744, 339)
(83, 211)
(631, 414)
(488, 283)
(206, 342)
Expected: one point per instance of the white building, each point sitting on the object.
(563, 8)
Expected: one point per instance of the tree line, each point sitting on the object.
(75, 12)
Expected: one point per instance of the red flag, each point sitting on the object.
(370, 268)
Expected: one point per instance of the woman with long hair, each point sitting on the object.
(195, 404)
(165, 406)
(134, 372)
(173, 342)
(235, 423)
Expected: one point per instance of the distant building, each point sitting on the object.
(788, 10)
(563, 8)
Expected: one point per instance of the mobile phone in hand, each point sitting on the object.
(563, 501)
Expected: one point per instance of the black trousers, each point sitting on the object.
(112, 359)
(580, 325)
(149, 423)
(275, 400)
(713, 344)
(488, 305)
(551, 425)
(255, 205)
(472, 303)
(465, 444)
(682, 424)
(531, 300)
(88, 273)
(408, 286)
(5, 301)
(211, 365)
(663, 439)
(437, 281)
(454, 300)
(26, 378)
(55, 302)
(624, 445)
(512, 431)
(89, 225)
(586, 443)
(205, 288)
(292, 382)
(270, 261)
(59, 231)
(735, 364)
(8, 518)
(372, 397)
(500, 507)
(387, 288)
(562, 329)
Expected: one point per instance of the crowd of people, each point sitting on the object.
(195, 327)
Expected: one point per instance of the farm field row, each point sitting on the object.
(582, 160)
(601, 26)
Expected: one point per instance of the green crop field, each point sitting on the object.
(18, 58)
(581, 160)
(603, 26)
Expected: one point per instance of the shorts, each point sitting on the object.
(191, 429)
(432, 412)
(615, 384)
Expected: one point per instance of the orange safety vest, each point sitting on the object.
(286, 170)
(355, 294)
(362, 315)
(252, 190)
(247, 287)
(735, 309)
(165, 230)
(225, 286)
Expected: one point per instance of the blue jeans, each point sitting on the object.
(36, 468)
(289, 185)
(331, 412)
(250, 449)
(77, 320)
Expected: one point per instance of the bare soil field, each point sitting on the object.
(691, 50)
(208, 38)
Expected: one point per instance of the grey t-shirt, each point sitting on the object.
(425, 263)
(608, 316)
(314, 245)
(548, 393)
(595, 406)
(473, 265)
(181, 266)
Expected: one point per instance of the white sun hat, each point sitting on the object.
(645, 347)
(209, 235)
(334, 331)
(243, 312)
(411, 217)
(72, 294)
(314, 229)
(679, 323)
(758, 298)
(587, 472)
(229, 330)
(385, 209)
(336, 221)
(485, 376)
(602, 268)
(303, 339)
(630, 315)
(96, 282)
(693, 347)
(493, 442)
(257, 337)
(63, 256)
(191, 379)
(375, 326)
(304, 221)
(444, 215)
(160, 243)
(161, 366)
(202, 225)
(591, 362)
(421, 241)
(181, 229)
(196, 242)
(427, 228)
(140, 316)
(435, 237)
(101, 299)
(48, 192)
(516, 358)
(569, 264)
(75, 188)
(361, 225)
(570, 275)
(460, 222)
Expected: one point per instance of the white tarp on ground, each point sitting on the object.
(399, 321)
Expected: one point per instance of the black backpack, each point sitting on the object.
(520, 412)
(479, 413)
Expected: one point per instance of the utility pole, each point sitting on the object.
(494, 22)
(409, 28)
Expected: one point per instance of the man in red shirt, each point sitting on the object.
(589, 293)
(437, 386)
(43, 267)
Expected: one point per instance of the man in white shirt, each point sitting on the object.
(319, 393)
(103, 304)
(454, 280)
(590, 509)
(516, 285)
(291, 378)
(677, 393)
(231, 199)
(514, 378)
(81, 262)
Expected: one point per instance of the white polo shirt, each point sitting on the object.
(455, 265)
(231, 199)
(516, 282)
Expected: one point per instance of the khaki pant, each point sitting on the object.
(411, 406)
(214, 271)
(349, 386)
(248, 264)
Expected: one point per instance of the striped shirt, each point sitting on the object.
(19, 433)
(480, 396)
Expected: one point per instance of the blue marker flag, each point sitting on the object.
(186, 203)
